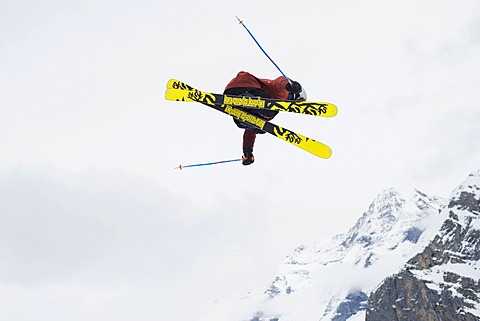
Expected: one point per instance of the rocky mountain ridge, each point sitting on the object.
(441, 283)
(409, 257)
(331, 280)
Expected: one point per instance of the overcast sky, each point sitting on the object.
(96, 224)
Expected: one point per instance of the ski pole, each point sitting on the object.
(180, 167)
(273, 62)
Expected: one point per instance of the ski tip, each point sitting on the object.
(177, 84)
(334, 110)
(171, 83)
(167, 95)
(318, 149)
(325, 154)
(330, 111)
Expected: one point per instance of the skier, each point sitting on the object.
(246, 84)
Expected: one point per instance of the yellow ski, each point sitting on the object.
(177, 90)
(192, 95)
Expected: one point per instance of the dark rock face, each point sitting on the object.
(442, 283)
(353, 303)
(413, 234)
(405, 297)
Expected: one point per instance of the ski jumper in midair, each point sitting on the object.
(246, 84)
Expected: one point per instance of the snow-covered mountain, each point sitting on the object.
(332, 279)
(442, 281)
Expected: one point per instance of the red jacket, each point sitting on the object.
(274, 88)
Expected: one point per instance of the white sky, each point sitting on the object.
(95, 222)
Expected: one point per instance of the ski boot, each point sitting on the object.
(247, 157)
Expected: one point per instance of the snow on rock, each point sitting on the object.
(442, 281)
(331, 279)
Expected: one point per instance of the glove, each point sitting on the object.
(294, 87)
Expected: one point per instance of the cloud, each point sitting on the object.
(95, 241)
(54, 226)
(107, 242)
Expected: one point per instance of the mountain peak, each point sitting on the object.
(442, 280)
(398, 209)
(434, 244)
(396, 215)
(396, 225)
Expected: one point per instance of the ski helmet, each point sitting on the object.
(302, 95)
(297, 92)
